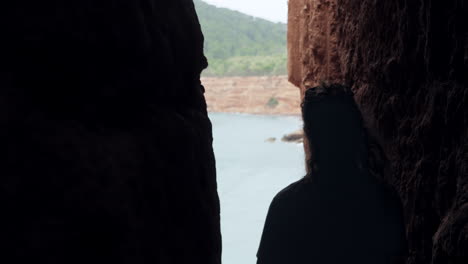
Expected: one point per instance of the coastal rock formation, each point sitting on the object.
(296, 137)
(105, 144)
(407, 62)
(253, 95)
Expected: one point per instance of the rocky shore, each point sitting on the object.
(254, 95)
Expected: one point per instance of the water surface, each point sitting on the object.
(250, 172)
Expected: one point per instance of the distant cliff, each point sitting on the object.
(254, 95)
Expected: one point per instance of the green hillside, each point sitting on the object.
(241, 45)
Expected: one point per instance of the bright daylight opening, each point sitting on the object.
(255, 114)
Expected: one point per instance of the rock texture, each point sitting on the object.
(105, 143)
(253, 95)
(312, 43)
(407, 62)
(295, 137)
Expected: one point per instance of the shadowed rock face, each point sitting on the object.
(407, 63)
(105, 143)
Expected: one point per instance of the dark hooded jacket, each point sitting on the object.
(334, 219)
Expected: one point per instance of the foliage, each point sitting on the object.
(272, 103)
(241, 45)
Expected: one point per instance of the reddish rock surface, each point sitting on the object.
(254, 95)
(407, 63)
(312, 40)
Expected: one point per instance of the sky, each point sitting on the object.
(273, 10)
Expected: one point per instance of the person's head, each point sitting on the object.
(334, 128)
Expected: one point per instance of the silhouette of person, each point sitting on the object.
(341, 211)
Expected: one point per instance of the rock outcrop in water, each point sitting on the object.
(296, 137)
(105, 143)
(407, 62)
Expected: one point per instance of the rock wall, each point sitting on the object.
(407, 62)
(252, 95)
(105, 143)
(312, 40)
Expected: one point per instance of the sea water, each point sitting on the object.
(250, 171)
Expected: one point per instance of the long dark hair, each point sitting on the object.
(336, 132)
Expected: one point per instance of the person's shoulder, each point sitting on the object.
(387, 190)
(292, 191)
(388, 196)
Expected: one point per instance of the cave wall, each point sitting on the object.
(407, 62)
(105, 144)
